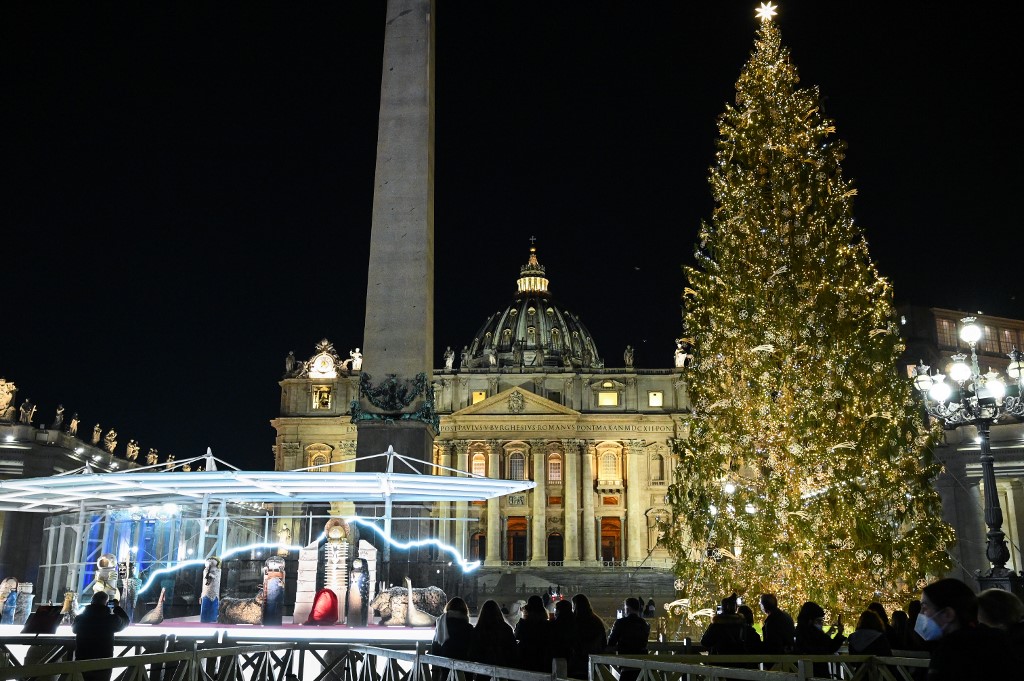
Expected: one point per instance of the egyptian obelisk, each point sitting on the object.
(395, 399)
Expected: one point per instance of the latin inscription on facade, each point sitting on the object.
(578, 427)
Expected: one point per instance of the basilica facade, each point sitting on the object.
(528, 398)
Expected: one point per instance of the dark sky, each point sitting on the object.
(187, 187)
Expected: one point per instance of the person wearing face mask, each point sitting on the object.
(960, 649)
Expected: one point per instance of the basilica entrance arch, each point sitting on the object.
(515, 533)
(611, 539)
(556, 548)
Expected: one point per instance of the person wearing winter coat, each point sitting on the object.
(591, 635)
(453, 632)
(777, 629)
(564, 634)
(629, 636)
(724, 636)
(869, 638)
(94, 633)
(811, 637)
(493, 640)
(533, 637)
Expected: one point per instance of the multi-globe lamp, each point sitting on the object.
(971, 398)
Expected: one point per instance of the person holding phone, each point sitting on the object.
(94, 632)
(811, 637)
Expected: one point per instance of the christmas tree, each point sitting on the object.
(808, 468)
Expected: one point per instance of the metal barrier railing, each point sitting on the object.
(326, 661)
(251, 663)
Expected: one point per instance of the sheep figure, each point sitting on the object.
(392, 604)
(241, 610)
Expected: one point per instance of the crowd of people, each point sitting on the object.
(571, 631)
(967, 635)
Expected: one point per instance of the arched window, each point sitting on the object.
(517, 466)
(506, 338)
(554, 467)
(479, 464)
(556, 339)
(609, 466)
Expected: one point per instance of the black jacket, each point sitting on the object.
(729, 634)
(869, 642)
(778, 631)
(534, 643)
(460, 635)
(629, 635)
(94, 631)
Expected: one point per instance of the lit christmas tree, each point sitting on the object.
(807, 471)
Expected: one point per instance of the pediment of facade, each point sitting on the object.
(516, 402)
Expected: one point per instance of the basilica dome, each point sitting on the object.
(533, 332)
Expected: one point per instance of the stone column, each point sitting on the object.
(493, 508)
(570, 501)
(461, 507)
(444, 508)
(538, 529)
(589, 520)
(398, 331)
(636, 522)
(962, 509)
(1013, 513)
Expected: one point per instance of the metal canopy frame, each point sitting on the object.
(154, 485)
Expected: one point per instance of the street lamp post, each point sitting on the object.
(979, 400)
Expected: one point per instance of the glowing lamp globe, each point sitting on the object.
(940, 390)
(995, 385)
(970, 332)
(960, 372)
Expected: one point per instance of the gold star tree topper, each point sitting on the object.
(766, 11)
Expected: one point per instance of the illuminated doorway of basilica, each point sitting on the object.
(515, 531)
(611, 539)
(556, 548)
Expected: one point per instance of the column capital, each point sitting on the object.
(572, 443)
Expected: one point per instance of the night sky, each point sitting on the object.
(187, 188)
